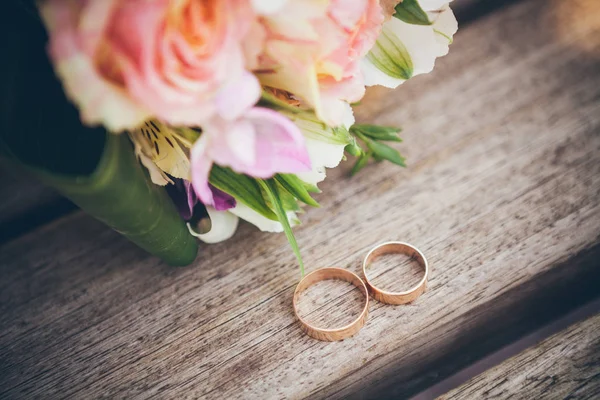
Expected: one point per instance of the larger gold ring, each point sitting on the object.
(331, 335)
(396, 297)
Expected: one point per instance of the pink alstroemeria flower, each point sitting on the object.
(260, 143)
(251, 140)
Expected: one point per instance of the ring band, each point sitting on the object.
(331, 335)
(396, 297)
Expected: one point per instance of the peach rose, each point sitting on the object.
(313, 48)
(124, 61)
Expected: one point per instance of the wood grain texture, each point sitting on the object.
(564, 366)
(24, 203)
(501, 192)
(18, 194)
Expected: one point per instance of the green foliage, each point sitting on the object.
(376, 132)
(353, 148)
(272, 198)
(289, 202)
(296, 187)
(361, 162)
(411, 12)
(385, 152)
(243, 188)
(269, 186)
(373, 136)
(311, 188)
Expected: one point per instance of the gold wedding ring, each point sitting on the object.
(396, 297)
(331, 335)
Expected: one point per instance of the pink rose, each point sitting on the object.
(312, 49)
(124, 61)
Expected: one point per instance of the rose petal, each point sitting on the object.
(266, 7)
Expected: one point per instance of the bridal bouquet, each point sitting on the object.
(234, 107)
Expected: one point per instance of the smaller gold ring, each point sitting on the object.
(332, 335)
(396, 297)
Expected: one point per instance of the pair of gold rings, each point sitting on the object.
(365, 287)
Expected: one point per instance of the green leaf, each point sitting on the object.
(270, 187)
(376, 132)
(242, 187)
(390, 56)
(314, 128)
(382, 151)
(288, 201)
(378, 158)
(361, 162)
(353, 148)
(311, 188)
(296, 187)
(385, 152)
(411, 12)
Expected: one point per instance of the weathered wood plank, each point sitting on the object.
(566, 365)
(501, 190)
(24, 203)
(16, 193)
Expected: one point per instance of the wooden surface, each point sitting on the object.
(24, 203)
(564, 366)
(19, 194)
(501, 195)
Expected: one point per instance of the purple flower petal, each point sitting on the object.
(222, 200)
(192, 198)
(180, 194)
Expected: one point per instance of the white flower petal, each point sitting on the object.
(404, 50)
(429, 5)
(445, 26)
(324, 144)
(322, 155)
(223, 226)
(348, 116)
(262, 223)
(374, 76)
(419, 41)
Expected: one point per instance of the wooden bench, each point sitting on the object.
(501, 194)
(566, 365)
